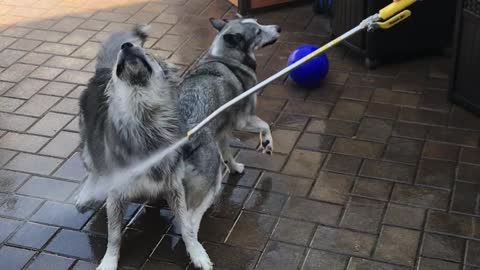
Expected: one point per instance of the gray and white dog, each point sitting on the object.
(226, 71)
(128, 111)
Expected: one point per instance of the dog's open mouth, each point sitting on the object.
(133, 61)
(270, 42)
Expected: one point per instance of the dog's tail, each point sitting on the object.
(141, 31)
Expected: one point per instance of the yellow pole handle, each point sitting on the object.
(394, 8)
(394, 20)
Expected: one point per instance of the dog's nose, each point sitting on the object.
(126, 45)
(279, 29)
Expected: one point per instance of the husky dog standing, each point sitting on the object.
(128, 111)
(225, 72)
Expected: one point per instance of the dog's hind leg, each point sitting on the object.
(254, 123)
(227, 155)
(115, 209)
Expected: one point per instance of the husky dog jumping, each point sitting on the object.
(131, 109)
(226, 71)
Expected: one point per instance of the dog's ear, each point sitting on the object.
(218, 23)
(234, 40)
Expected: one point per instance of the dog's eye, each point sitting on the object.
(259, 32)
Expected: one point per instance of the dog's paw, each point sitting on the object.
(200, 259)
(108, 263)
(266, 145)
(237, 168)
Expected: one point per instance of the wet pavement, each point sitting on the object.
(374, 170)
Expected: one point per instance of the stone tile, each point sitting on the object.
(342, 164)
(22, 142)
(397, 245)
(46, 188)
(315, 142)
(78, 37)
(15, 122)
(38, 105)
(357, 93)
(46, 261)
(388, 171)
(33, 163)
(280, 255)
(67, 24)
(332, 187)
(375, 129)
(77, 92)
(473, 257)
(258, 228)
(370, 81)
(436, 173)
(66, 62)
(465, 198)
(423, 116)
(153, 265)
(214, 229)
(443, 247)
(372, 188)
(332, 127)
(453, 136)
(396, 214)
(60, 214)
(292, 121)
(14, 258)
(293, 231)
(434, 100)
(364, 264)
(55, 48)
(276, 104)
(300, 208)
(433, 264)
(382, 110)
(470, 155)
(230, 202)
(258, 160)
(73, 76)
(88, 50)
(10, 104)
(284, 140)
(397, 98)
(10, 181)
(348, 110)
(304, 163)
(318, 259)
(5, 86)
(266, 202)
(8, 57)
(5, 156)
(460, 118)
(32, 235)
(141, 245)
(319, 110)
(228, 257)
(403, 150)
(440, 151)
(73, 125)
(290, 185)
(409, 130)
(449, 223)
(62, 145)
(93, 24)
(25, 44)
(16, 72)
(469, 173)
(19, 206)
(358, 148)
(45, 73)
(72, 169)
(67, 105)
(45, 35)
(248, 178)
(50, 124)
(344, 241)
(35, 58)
(7, 227)
(426, 197)
(15, 31)
(26, 89)
(87, 247)
(57, 88)
(363, 215)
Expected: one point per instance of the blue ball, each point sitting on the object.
(310, 74)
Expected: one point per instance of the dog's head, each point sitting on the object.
(244, 35)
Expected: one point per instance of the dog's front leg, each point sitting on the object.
(253, 123)
(115, 210)
(227, 155)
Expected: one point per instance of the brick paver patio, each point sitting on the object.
(375, 170)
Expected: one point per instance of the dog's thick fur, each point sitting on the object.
(130, 109)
